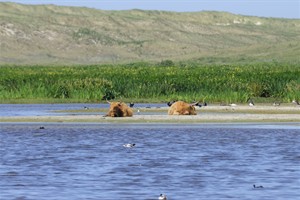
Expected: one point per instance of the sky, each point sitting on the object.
(260, 8)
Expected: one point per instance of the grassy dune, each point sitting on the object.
(48, 34)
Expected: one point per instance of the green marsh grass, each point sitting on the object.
(143, 82)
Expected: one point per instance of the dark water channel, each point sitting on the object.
(199, 161)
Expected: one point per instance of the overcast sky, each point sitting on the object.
(261, 8)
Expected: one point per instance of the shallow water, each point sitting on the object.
(10, 110)
(208, 161)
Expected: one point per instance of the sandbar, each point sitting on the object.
(213, 113)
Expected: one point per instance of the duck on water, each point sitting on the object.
(162, 197)
(129, 145)
(260, 186)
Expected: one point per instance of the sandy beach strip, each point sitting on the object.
(222, 114)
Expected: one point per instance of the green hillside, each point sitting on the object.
(48, 34)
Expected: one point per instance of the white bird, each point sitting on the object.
(251, 103)
(162, 197)
(296, 102)
(232, 105)
(128, 145)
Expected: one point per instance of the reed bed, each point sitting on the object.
(143, 82)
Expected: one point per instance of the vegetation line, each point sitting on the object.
(144, 82)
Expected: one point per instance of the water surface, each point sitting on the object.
(11, 110)
(207, 161)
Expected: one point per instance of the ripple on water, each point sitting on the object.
(88, 161)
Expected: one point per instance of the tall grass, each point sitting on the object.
(143, 82)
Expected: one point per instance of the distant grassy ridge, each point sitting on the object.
(48, 34)
(143, 82)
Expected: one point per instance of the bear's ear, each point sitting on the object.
(119, 103)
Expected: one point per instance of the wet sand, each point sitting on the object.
(214, 113)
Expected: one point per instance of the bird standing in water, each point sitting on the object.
(131, 104)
